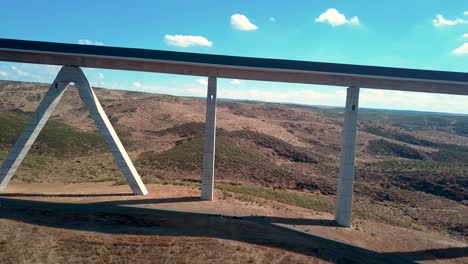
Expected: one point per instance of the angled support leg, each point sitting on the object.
(207, 192)
(344, 196)
(33, 128)
(66, 75)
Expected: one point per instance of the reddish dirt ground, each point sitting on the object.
(75, 216)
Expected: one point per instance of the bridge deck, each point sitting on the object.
(234, 67)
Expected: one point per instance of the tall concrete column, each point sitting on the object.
(344, 196)
(207, 191)
(66, 75)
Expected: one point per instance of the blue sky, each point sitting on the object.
(426, 34)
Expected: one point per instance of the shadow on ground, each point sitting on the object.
(116, 217)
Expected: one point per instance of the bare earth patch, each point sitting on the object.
(102, 223)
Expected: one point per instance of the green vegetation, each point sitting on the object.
(404, 165)
(234, 158)
(386, 148)
(406, 138)
(446, 153)
(424, 176)
(11, 125)
(33, 162)
(63, 139)
(363, 209)
(186, 130)
(400, 137)
(33, 97)
(280, 147)
(455, 124)
(56, 138)
(186, 157)
(310, 201)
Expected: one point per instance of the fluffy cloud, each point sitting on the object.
(188, 90)
(100, 75)
(463, 49)
(466, 13)
(335, 18)
(90, 42)
(241, 22)
(413, 101)
(440, 21)
(272, 19)
(465, 35)
(302, 96)
(187, 41)
(236, 82)
(202, 81)
(3, 74)
(19, 72)
(322, 95)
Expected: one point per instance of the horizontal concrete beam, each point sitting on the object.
(234, 67)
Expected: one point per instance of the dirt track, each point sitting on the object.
(116, 226)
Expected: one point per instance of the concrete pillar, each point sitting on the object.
(207, 191)
(66, 75)
(344, 196)
(110, 137)
(33, 128)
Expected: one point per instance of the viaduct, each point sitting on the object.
(74, 56)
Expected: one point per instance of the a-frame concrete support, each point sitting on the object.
(67, 75)
(344, 196)
(207, 191)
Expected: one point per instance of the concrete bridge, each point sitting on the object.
(73, 56)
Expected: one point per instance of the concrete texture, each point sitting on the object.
(210, 142)
(67, 75)
(344, 197)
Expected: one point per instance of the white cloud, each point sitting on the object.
(463, 49)
(202, 81)
(440, 21)
(241, 22)
(188, 90)
(29, 72)
(19, 72)
(412, 101)
(316, 95)
(369, 98)
(3, 74)
(466, 13)
(236, 82)
(187, 40)
(90, 42)
(465, 35)
(303, 96)
(272, 19)
(100, 75)
(335, 18)
(98, 84)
